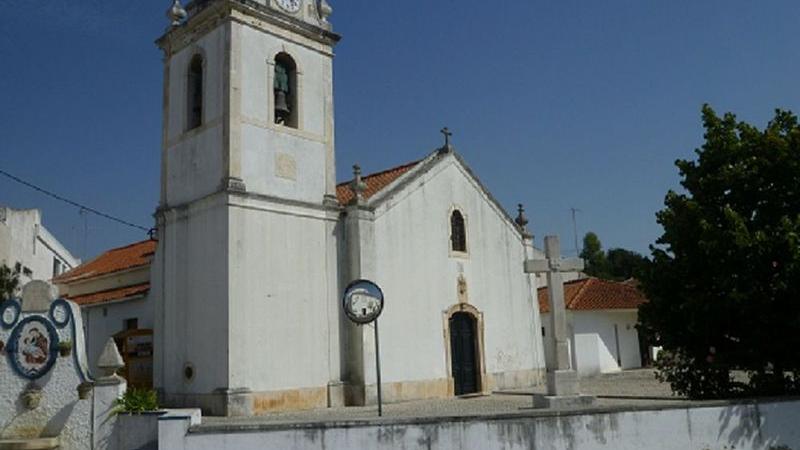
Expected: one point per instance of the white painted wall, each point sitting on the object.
(277, 160)
(593, 343)
(419, 276)
(24, 240)
(190, 293)
(103, 321)
(282, 291)
(194, 163)
(761, 426)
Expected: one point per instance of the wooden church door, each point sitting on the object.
(463, 344)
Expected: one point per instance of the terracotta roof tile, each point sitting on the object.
(595, 294)
(111, 295)
(115, 260)
(375, 182)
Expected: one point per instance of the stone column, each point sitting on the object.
(358, 263)
(108, 388)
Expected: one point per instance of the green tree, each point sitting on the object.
(9, 282)
(594, 257)
(725, 277)
(625, 264)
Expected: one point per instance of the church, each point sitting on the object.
(256, 240)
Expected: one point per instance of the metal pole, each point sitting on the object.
(575, 230)
(378, 369)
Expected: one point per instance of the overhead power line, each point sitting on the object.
(73, 203)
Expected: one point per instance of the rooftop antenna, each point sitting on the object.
(85, 216)
(575, 229)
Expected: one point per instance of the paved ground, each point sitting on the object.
(636, 388)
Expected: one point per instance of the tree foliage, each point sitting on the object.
(9, 282)
(724, 281)
(616, 264)
(625, 264)
(594, 257)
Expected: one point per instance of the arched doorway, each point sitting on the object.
(464, 353)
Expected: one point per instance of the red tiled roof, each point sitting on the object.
(115, 260)
(596, 294)
(111, 294)
(375, 182)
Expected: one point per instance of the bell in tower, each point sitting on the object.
(282, 92)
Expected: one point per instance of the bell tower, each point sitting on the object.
(245, 275)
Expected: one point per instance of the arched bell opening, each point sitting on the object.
(194, 93)
(285, 91)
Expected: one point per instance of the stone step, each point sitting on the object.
(29, 444)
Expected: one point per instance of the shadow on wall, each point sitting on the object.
(57, 423)
(750, 425)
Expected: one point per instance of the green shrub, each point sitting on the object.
(136, 400)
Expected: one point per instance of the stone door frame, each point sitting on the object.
(480, 353)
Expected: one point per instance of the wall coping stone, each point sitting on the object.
(234, 427)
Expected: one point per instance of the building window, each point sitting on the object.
(57, 267)
(285, 91)
(131, 324)
(458, 232)
(194, 93)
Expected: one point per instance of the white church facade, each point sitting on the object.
(256, 241)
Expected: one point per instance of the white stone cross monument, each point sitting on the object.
(562, 382)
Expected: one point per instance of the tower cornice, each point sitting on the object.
(206, 15)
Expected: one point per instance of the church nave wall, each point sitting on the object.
(421, 278)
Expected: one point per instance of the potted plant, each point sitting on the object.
(65, 348)
(137, 401)
(32, 396)
(84, 389)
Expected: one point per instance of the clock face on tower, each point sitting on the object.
(291, 6)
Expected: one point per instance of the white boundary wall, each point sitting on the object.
(768, 425)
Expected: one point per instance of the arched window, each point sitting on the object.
(194, 93)
(285, 91)
(458, 232)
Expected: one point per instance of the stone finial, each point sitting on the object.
(37, 296)
(110, 361)
(448, 147)
(176, 14)
(522, 219)
(358, 185)
(325, 11)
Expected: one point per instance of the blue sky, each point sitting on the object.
(553, 104)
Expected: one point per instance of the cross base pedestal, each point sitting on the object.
(562, 383)
(562, 392)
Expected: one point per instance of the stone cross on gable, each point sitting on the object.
(554, 265)
(447, 136)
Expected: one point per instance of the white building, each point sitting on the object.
(256, 241)
(111, 290)
(601, 323)
(25, 244)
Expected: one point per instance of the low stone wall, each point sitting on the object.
(767, 425)
(136, 431)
